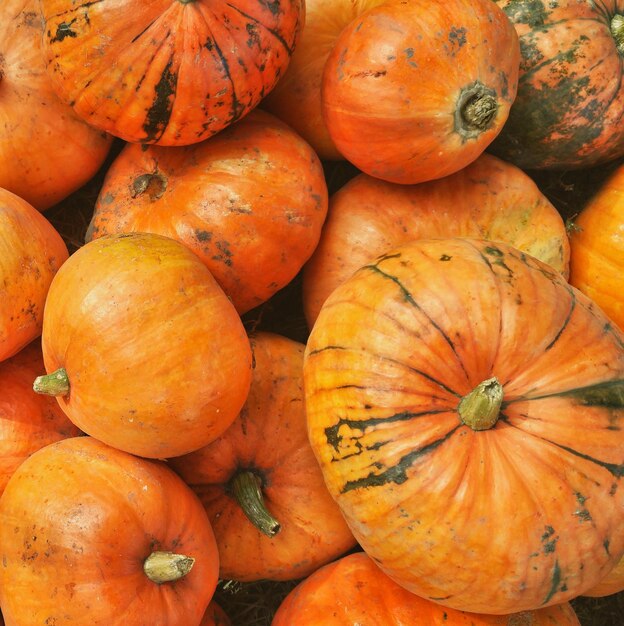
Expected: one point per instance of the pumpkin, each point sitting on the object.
(597, 247)
(465, 404)
(36, 128)
(142, 348)
(94, 535)
(488, 199)
(414, 91)
(171, 72)
(249, 202)
(215, 616)
(296, 98)
(31, 253)
(28, 421)
(568, 109)
(352, 590)
(260, 483)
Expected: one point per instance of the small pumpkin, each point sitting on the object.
(31, 253)
(93, 535)
(142, 348)
(249, 202)
(597, 247)
(28, 421)
(414, 91)
(171, 72)
(36, 128)
(353, 590)
(260, 483)
(488, 199)
(568, 109)
(465, 404)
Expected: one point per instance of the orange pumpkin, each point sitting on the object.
(93, 535)
(612, 583)
(597, 247)
(28, 421)
(353, 590)
(249, 202)
(417, 90)
(142, 348)
(171, 72)
(215, 616)
(260, 483)
(465, 404)
(296, 98)
(31, 252)
(488, 199)
(36, 128)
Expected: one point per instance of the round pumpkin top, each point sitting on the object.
(171, 72)
(465, 404)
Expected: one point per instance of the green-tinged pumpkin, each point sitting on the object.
(260, 483)
(171, 72)
(249, 202)
(28, 421)
(352, 590)
(597, 247)
(466, 406)
(414, 91)
(93, 535)
(570, 101)
(31, 253)
(488, 199)
(142, 348)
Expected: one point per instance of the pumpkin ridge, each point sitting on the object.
(566, 321)
(158, 116)
(397, 473)
(410, 299)
(594, 396)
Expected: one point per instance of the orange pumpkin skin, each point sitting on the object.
(296, 98)
(568, 109)
(215, 616)
(168, 71)
(83, 518)
(488, 199)
(28, 421)
(597, 248)
(535, 498)
(353, 590)
(36, 128)
(31, 252)
(612, 583)
(249, 202)
(158, 361)
(269, 438)
(417, 90)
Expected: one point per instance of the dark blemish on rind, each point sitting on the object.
(445, 257)
(203, 235)
(63, 30)
(158, 115)
(457, 37)
(555, 581)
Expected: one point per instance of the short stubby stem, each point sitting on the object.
(167, 567)
(54, 384)
(246, 486)
(475, 110)
(154, 185)
(617, 30)
(480, 408)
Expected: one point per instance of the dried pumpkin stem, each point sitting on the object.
(617, 30)
(167, 567)
(481, 407)
(54, 384)
(247, 489)
(475, 110)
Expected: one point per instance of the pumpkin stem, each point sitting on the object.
(617, 30)
(154, 185)
(167, 567)
(54, 384)
(480, 408)
(246, 487)
(476, 109)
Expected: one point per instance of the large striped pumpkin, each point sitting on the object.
(466, 405)
(171, 72)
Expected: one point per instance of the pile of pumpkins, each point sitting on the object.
(447, 444)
